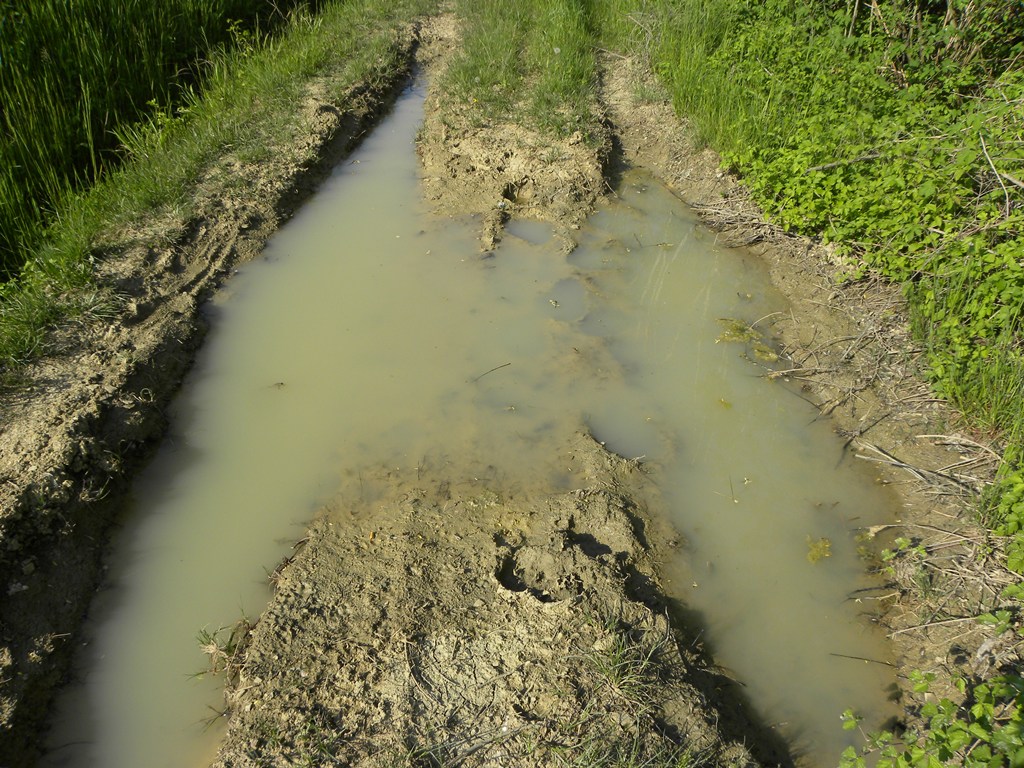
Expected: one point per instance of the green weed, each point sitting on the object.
(222, 646)
(897, 134)
(628, 755)
(987, 730)
(629, 665)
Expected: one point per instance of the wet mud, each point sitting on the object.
(448, 624)
(390, 610)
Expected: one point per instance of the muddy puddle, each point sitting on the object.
(761, 488)
(373, 333)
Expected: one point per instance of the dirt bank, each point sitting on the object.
(72, 437)
(499, 169)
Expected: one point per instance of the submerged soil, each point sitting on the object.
(410, 629)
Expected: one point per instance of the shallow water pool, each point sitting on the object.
(372, 331)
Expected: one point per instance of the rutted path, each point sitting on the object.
(68, 451)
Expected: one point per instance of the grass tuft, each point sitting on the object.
(74, 74)
(530, 62)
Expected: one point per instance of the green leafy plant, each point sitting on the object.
(986, 729)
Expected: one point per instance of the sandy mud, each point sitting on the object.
(497, 170)
(443, 622)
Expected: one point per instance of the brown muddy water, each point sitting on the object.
(373, 332)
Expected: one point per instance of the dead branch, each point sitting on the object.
(796, 372)
(928, 624)
(957, 440)
(999, 176)
(929, 476)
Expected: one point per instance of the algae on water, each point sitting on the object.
(738, 331)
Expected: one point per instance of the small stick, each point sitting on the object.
(611, 53)
(874, 529)
(1011, 179)
(999, 176)
(919, 473)
(872, 155)
(794, 371)
(932, 624)
(495, 368)
(770, 314)
(957, 440)
(862, 658)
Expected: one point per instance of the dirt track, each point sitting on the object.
(72, 437)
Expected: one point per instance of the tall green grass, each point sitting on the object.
(712, 93)
(532, 61)
(72, 74)
(250, 103)
(486, 74)
(560, 50)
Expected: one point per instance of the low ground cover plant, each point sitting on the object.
(895, 130)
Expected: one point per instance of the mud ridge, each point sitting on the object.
(497, 170)
(449, 624)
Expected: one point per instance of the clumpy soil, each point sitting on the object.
(499, 169)
(444, 622)
(447, 624)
